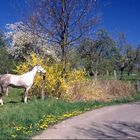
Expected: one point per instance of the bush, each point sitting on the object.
(55, 85)
(74, 86)
(100, 90)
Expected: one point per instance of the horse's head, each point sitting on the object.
(40, 69)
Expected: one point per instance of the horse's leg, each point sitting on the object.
(26, 94)
(3, 91)
(1, 101)
(6, 91)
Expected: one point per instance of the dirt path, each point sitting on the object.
(114, 122)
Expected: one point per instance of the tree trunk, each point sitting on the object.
(122, 69)
(130, 70)
(95, 76)
(63, 60)
(63, 39)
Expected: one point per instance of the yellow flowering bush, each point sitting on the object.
(54, 83)
(77, 75)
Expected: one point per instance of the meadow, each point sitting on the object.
(21, 121)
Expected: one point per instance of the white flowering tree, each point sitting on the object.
(23, 40)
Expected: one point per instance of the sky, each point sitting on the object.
(122, 16)
(115, 16)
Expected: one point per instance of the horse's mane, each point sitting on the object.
(30, 69)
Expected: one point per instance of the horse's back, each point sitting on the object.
(4, 78)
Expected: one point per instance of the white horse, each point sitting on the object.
(24, 81)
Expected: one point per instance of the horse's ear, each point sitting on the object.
(37, 65)
(30, 67)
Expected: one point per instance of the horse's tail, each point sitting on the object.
(0, 78)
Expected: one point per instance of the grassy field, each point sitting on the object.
(133, 77)
(21, 121)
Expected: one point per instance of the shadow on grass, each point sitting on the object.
(14, 102)
(111, 130)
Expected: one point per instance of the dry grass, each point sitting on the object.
(100, 90)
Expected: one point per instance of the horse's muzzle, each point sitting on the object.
(43, 72)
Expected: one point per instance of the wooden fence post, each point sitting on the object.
(115, 75)
(43, 86)
(138, 85)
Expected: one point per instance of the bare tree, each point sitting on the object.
(126, 55)
(64, 21)
(97, 52)
(121, 57)
(132, 57)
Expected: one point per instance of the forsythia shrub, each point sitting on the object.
(55, 85)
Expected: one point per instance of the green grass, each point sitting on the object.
(21, 121)
(134, 77)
